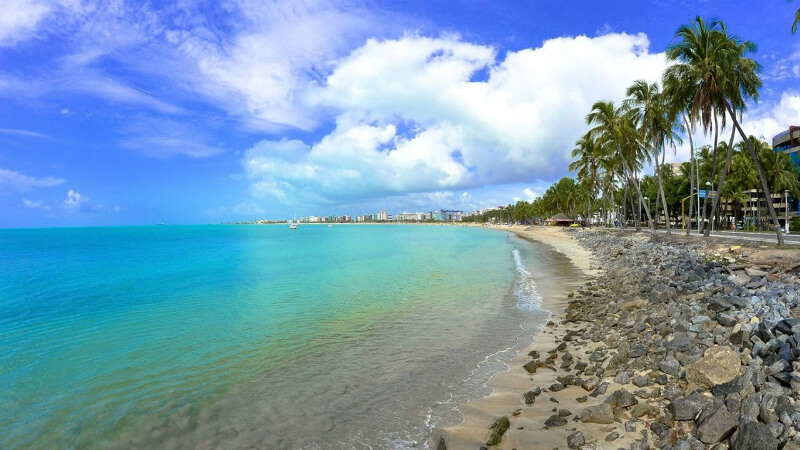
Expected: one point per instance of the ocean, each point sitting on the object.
(356, 336)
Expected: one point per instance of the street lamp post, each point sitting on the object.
(705, 205)
(786, 200)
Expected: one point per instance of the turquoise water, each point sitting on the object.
(241, 336)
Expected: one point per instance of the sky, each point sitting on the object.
(191, 112)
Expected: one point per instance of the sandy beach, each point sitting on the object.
(528, 420)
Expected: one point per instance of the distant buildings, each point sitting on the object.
(788, 142)
(442, 215)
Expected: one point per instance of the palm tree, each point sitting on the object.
(615, 127)
(587, 153)
(781, 172)
(796, 21)
(712, 70)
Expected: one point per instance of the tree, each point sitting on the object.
(713, 73)
(796, 21)
(615, 126)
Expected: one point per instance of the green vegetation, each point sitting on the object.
(706, 88)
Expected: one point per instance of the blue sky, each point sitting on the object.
(120, 112)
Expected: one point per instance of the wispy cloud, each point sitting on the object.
(24, 133)
(21, 182)
(35, 204)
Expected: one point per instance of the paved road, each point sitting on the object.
(790, 239)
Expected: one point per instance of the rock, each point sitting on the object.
(630, 426)
(498, 429)
(633, 304)
(755, 272)
(602, 414)
(641, 410)
(534, 354)
(530, 397)
(555, 421)
(678, 342)
(590, 384)
(641, 381)
(622, 378)
(753, 435)
(689, 407)
(600, 389)
(531, 366)
(670, 366)
(739, 280)
(613, 436)
(621, 399)
(582, 399)
(726, 320)
(555, 387)
(442, 444)
(718, 365)
(717, 426)
(575, 440)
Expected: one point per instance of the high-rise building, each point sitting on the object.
(788, 142)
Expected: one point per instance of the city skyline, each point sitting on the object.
(122, 113)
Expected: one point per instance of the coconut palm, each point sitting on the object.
(796, 21)
(647, 110)
(711, 68)
(585, 165)
(615, 127)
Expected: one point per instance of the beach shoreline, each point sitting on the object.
(675, 344)
(508, 387)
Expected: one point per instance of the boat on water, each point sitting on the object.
(293, 225)
(160, 224)
(330, 225)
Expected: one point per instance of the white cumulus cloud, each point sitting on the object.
(75, 200)
(420, 114)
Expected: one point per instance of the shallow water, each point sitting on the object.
(241, 336)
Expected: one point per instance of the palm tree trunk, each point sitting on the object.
(761, 175)
(641, 198)
(661, 192)
(691, 176)
(624, 208)
(722, 177)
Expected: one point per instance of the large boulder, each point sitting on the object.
(718, 365)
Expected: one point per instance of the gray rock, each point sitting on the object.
(555, 421)
(641, 381)
(678, 342)
(621, 399)
(717, 426)
(670, 366)
(753, 435)
(602, 414)
(755, 272)
(576, 440)
(623, 378)
(726, 320)
(689, 407)
(613, 436)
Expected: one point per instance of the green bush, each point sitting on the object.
(794, 225)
